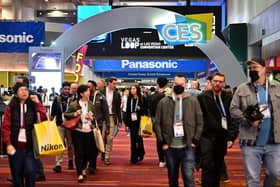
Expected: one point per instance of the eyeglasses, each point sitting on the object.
(217, 81)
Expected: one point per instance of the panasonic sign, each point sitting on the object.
(19, 38)
(149, 64)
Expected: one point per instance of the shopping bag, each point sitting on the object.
(46, 139)
(98, 139)
(146, 126)
(71, 123)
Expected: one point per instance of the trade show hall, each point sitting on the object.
(138, 93)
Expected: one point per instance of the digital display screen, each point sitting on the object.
(87, 11)
(46, 61)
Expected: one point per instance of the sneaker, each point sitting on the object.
(162, 164)
(81, 179)
(84, 173)
(224, 179)
(70, 164)
(198, 181)
(10, 179)
(107, 162)
(57, 169)
(41, 178)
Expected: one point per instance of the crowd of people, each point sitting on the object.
(194, 128)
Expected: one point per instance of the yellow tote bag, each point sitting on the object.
(46, 139)
(146, 126)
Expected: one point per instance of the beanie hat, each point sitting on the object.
(18, 85)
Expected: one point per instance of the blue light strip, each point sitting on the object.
(224, 15)
(216, 3)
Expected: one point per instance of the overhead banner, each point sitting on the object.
(150, 65)
(19, 36)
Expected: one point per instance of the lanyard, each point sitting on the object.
(93, 101)
(180, 109)
(220, 105)
(131, 105)
(22, 111)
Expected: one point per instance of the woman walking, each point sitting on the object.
(19, 118)
(82, 136)
(134, 109)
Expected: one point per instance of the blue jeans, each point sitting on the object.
(185, 157)
(254, 157)
(23, 166)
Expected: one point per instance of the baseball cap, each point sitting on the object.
(259, 61)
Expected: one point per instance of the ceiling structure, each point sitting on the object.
(44, 8)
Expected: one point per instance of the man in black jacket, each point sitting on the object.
(155, 98)
(215, 137)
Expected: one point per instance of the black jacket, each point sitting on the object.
(155, 98)
(140, 112)
(212, 116)
(59, 106)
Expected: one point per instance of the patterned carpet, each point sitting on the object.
(122, 173)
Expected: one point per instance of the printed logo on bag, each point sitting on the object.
(50, 147)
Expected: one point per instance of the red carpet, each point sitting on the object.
(122, 173)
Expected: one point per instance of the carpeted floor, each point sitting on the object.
(122, 173)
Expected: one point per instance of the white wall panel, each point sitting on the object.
(242, 11)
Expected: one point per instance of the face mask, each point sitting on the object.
(254, 75)
(178, 89)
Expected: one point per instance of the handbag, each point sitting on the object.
(146, 126)
(46, 139)
(71, 123)
(98, 138)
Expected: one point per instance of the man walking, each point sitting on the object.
(256, 107)
(178, 125)
(215, 105)
(59, 106)
(114, 105)
(163, 90)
